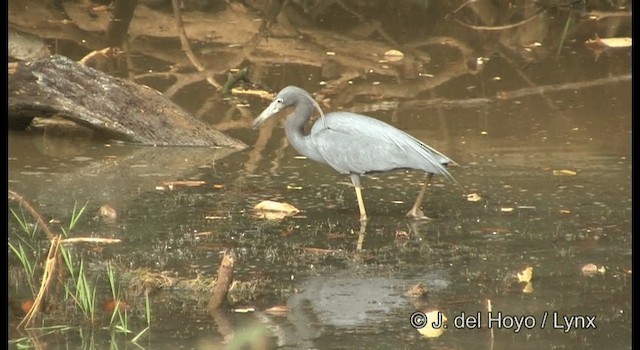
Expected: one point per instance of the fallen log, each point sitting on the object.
(113, 107)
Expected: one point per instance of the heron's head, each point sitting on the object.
(285, 98)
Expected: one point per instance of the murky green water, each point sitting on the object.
(552, 170)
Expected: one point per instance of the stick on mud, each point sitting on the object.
(225, 277)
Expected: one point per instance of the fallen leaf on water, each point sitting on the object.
(244, 310)
(527, 207)
(428, 331)
(215, 217)
(291, 187)
(525, 275)
(202, 234)
(393, 55)
(506, 209)
(608, 43)
(278, 310)
(107, 213)
(187, 183)
(592, 270)
(218, 186)
(111, 305)
(528, 288)
(272, 210)
(26, 305)
(419, 290)
(473, 197)
(401, 235)
(565, 211)
(102, 8)
(564, 172)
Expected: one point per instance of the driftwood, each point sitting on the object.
(223, 283)
(114, 107)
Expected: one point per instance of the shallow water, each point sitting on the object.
(552, 169)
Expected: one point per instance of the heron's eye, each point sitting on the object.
(279, 100)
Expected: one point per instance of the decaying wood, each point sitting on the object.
(114, 107)
(225, 277)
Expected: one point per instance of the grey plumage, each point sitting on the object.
(351, 143)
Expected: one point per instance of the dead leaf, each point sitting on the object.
(278, 310)
(107, 213)
(531, 207)
(473, 197)
(187, 183)
(506, 209)
(244, 310)
(26, 305)
(272, 210)
(394, 55)
(419, 290)
(525, 275)
(215, 217)
(592, 270)
(111, 304)
(564, 172)
(428, 331)
(608, 43)
(102, 8)
(528, 288)
(401, 235)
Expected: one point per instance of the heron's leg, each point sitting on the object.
(415, 212)
(355, 178)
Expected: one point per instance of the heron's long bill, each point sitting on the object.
(275, 107)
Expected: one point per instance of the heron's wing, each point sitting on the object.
(352, 143)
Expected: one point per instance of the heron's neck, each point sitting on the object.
(294, 124)
(294, 128)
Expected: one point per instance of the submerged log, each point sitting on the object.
(114, 107)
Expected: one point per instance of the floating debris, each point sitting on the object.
(525, 275)
(272, 210)
(608, 43)
(394, 56)
(564, 172)
(107, 213)
(428, 331)
(473, 197)
(419, 290)
(592, 270)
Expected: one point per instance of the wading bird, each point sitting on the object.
(354, 144)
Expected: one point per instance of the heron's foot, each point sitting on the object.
(417, 214)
